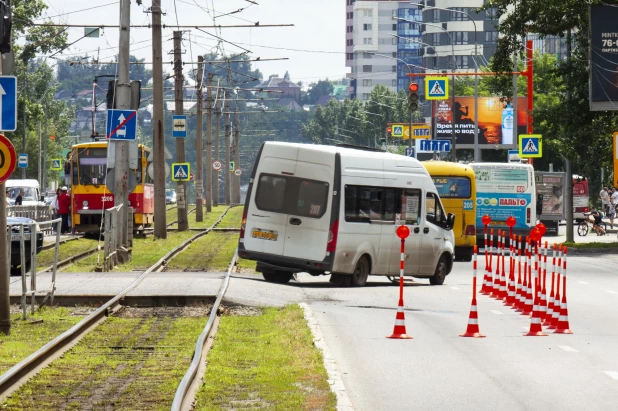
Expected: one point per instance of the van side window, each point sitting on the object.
(363, 204)
(410, 206)
(292, 195)
(433, 209)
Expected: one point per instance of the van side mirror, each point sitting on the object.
(450, 221)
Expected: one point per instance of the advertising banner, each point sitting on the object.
(550, 195)
(496, 120)
(603, 55)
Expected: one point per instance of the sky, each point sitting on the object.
(315, 45)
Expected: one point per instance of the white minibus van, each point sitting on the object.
(334, 210)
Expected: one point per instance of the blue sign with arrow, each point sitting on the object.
(429, 146)
(8, 103)
(121, 125)
(410, 152)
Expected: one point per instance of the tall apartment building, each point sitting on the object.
(370, 26)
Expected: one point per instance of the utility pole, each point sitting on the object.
(569, 171)
(236, 145)
(23, 141)
(209, 143)
(181, 187)
(39, 178)
(123, 102)
(158, 129)
(46, 137)
(226, 166)
(199, 179)
(5, 307)
(215, 191)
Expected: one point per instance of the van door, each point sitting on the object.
(410, 204)
(266, 215)
(432, 234)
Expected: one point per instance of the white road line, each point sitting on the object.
(567, 348)
(612, 374)
(496, 312)
(456, 288)
(583, 282)
(611, 292)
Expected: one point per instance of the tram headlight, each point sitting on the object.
(85, 204)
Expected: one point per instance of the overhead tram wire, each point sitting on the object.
(148, 26)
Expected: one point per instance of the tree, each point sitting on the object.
(317, 90)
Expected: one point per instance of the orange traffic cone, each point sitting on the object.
(496, 290)
(400, 324)
(473, 318)
(563, 321)
(535, 322)
(542, 284)
(485, 288)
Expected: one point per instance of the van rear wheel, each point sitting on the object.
(361, 273)
(277, 277)
(441, 271)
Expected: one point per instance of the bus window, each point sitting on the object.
(453, 187)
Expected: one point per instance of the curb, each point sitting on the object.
(608, 250)
(334, 375)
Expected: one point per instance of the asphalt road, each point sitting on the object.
(440, 370)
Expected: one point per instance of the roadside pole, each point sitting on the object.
(46, 137)
(209, 143)
(181, 187)
(5, 272)
(569, 177)
(226, 166)
(199, 179)
(215, 177)
(236, 144)
(123, 102)
(158, 129)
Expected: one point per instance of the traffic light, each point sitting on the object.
(6, 21)
(413, 97)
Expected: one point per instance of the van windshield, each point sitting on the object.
(292, 195)
(453, 187)
(29, 193)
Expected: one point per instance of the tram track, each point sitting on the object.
(30, 366)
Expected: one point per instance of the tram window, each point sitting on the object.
(92, 166)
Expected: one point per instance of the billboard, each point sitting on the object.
(603, 56)
(550, 191)
(496, 120)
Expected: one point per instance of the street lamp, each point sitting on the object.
(477, 151)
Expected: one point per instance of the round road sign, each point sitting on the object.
(238, 171)
(217, 165)
(8, 159)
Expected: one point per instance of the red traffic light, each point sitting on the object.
(413, 87)
(389, 130)
(52, 138)
(403, 232)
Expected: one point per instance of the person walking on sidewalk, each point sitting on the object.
(604, 196)
(64, 207)
(611, 211)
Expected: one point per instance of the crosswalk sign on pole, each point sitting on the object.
(530, 145)
(56, 164)
(181, 171)
(397, 131)
(436, 88)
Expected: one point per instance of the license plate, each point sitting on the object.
(264, 234)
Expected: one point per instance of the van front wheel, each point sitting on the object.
(278, 278)
(361, 273)
(441, 271)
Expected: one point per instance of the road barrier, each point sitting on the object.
(473, 319)
(399, 331)
(38, 213)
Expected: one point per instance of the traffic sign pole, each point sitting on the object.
(7, 166)
(181, 187)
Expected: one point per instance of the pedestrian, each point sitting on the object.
(611, 211)
(614, 195)
(20, 198)
(64, 207)
(54, 204)
(8, 198)
(604, 196)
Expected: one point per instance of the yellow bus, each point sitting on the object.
(456, 185)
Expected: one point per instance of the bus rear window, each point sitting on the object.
(453, 187)
(292, 195)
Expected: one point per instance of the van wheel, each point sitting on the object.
(278, 278)
(361, 273)
(441, 271)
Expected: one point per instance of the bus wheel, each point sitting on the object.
(440, 274)
(361, 273)
(278, 278)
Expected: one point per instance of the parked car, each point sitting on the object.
(15, 241)
(170, 196)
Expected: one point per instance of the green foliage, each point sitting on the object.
(317, 90)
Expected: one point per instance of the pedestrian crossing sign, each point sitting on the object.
(397, 131)
(436, 88)
(530, 145)
(56, 164)
(181, 171)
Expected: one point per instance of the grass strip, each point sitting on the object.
(590, 245)
(65, 250)
(232, 219)
(125, 364)
(30, 335)
(265, 362)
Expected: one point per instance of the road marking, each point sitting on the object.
(567, 348)
(583, 282)
(612, 374)
(455, 288)
(612, 292)
(496, 312)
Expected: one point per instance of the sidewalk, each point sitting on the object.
(592, 237)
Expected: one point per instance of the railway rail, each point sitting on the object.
(30, 366)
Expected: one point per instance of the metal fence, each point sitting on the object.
(38, 213)
(26, 235)
(112, 235)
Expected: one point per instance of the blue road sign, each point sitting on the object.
(429, 146)
(22, 161)
(8, 103)
(397, 131)
(436, 88)
(530, 145)
(181, 172)
(410, 152)
(180, 126)
(121, 124)
(421, 131)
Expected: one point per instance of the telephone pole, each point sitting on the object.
(123, 102)
(181, 187)
(209, 143)
(5, 270)
(215, 191)
(199, 179)
(236, 178)
(158, 129)
(226, 166)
